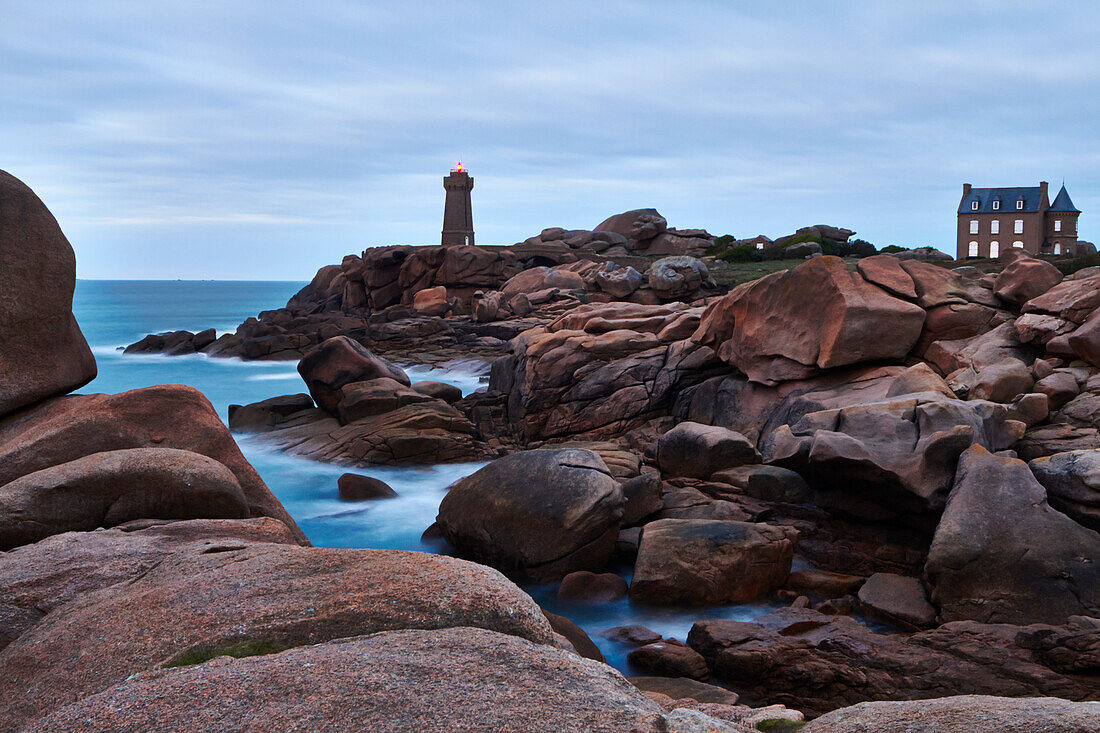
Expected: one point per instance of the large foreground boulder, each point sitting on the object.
(167, 416)
(106, 489)
(340, 361)
(42, 351)
(392, 682)
(1001, 554)
(36, 579)
(200, 604)
(540, 513)
(970, 713)
(795, 323)
(705, 561)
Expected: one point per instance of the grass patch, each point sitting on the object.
(779, 725)
(238, 649)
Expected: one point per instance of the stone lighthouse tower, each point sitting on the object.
(458, 217)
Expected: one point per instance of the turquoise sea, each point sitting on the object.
(114, 313)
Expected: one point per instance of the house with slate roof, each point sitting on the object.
(992, 220)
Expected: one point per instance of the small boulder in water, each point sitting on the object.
(354, 487)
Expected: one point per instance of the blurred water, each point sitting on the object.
(117, 313)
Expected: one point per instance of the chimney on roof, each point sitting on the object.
(1043, 188)
(966, 189)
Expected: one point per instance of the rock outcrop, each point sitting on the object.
(600, 370)
(818, 663)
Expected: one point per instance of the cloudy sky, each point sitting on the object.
(261, 140)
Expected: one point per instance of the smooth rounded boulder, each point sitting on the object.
(242, 600)
(42, 351)
(393, 682)
(541, 513)
(64, 429)
(692, 449)
(107, 489)
(353, 487)
(710, 561)
(970, 713)
(339, 361)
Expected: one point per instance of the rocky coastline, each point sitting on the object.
(902, 457)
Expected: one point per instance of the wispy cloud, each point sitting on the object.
(264, 139)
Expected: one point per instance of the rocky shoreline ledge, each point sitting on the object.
(904, 455)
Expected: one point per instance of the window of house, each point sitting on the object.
(994, 250)
(973, 205)
(1018, 245)
(1019, 228)
(1073, 226)
(973, 250)
(1057, 225)
(760, 245)
(996, 205)
(994, 227)
(973, 226)
(1057, 249)
(1020, 205)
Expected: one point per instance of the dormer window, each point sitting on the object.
(973, 205)
(1020, 205)
(996, 204)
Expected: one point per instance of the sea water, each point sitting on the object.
(114, 313)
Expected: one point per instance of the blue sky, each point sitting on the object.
(261, 140)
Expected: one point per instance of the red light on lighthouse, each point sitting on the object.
(458, 167)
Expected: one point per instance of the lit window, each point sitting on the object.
(760, 245)
(1020, 205)
(1057, 225)
(973, 226)
(973, 249)
(994, 227)
(1019, 228)
(996, 205)
(1057, 249)
(1018, 245)
(994, 250)
(973, 205)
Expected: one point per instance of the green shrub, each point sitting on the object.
(1072, 265)
(238, 649)
(779, 725)
(892, 248)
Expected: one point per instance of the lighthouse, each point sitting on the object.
(458, 217)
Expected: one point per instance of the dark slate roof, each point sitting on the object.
(1062, 202)
(1008, 196)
